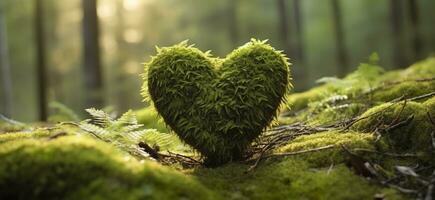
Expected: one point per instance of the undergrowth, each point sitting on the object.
(368, 135)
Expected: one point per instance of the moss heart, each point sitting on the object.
(217, 106)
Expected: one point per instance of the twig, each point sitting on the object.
(60, 134)
(183, 156)
(430, 188)
(11, 121)
(400, 113)
(262, 152)
(152, 152)
(422, 96)
(400, 124)
(403, 190)
(401, 175)
(300, 152)
(261, 157)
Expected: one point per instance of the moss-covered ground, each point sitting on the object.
(372, 122)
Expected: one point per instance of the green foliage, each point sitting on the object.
(150, 118)
(218, 106)
(60, 112)
(124, 132)
(74, 167)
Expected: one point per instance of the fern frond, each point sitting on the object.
(100, 117)
(125, 132)
(94, 129)
(128, 118)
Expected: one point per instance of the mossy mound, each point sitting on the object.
(341, 99)
(373, 84)
(290, 178)
(315, 175)
(8, 127)
(334, 155)
(406, 89)
(77, 167)
(404, 125)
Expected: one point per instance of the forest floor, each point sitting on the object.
(370, 135)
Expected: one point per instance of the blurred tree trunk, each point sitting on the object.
(299, 52)
(283, 25)
(57, 88)
(397, 33)
(300, 71)
(232, 22)
(339, 38)
(5, 68)
(40, 60)
(119, 75)
(415, 23)
(92, 63)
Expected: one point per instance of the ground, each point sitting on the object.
(373, 131)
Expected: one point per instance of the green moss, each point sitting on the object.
(150, 119)
(7, 127)
(24, 135)
(289, 179)
(218, 106)
(74, 167)
(314, 175)
(414, 135)
(325, 158)
(393, 84)
(406, 89)
(299, 101)
(430, 106)
(421, 70)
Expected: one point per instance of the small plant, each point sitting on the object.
(217, 106)
(124, 132)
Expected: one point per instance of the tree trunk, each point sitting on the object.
(92, 63)
(40, 60)
(232, 22)
(415, 23)
(396, 31)
(5, 68)
(339, 38)
(283, 24)
(299, 52)
(119, 75)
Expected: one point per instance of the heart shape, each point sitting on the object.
(217, 106)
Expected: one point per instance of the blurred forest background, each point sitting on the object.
(88, 53)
